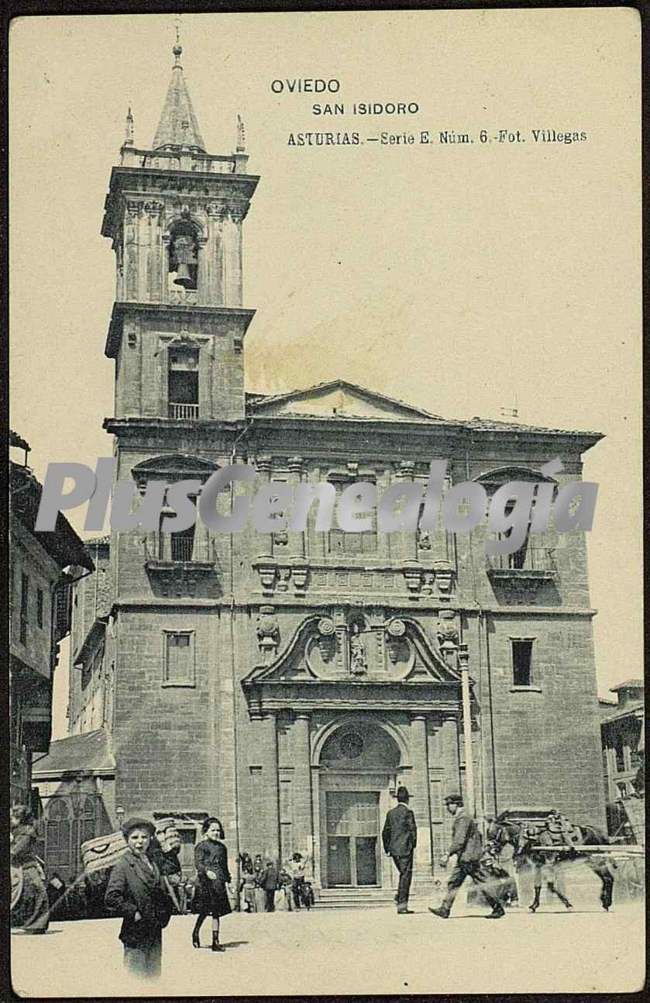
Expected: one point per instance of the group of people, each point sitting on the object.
(146, 883)
(399, 837)
(261, 881)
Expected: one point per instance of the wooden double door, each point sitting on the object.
(353, 839)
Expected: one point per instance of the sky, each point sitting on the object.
(463, 278)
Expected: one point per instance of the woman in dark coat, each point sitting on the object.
(32, 910)
(211, 897)
(135, 892)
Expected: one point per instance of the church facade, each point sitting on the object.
(288, 682)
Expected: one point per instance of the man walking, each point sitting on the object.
(466, 847)
(399, 837)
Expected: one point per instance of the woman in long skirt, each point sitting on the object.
(211, 898)
(32, 909)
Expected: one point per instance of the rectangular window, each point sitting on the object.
(178, 668)
(522, 662)
(39, 607)
(24, 607)
(183, 383)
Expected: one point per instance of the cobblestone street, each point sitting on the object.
(331, 951)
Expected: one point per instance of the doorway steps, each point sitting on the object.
(354, 898)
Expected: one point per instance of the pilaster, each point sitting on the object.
(420, 799)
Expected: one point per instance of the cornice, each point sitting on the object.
(169, 311)
(142, 182)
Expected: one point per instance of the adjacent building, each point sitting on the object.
(42, 568)
(623, 743)
(289, 681)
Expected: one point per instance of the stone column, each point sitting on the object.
(302, 809)
(270, 793)
(420, 799)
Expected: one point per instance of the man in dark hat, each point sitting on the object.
(466, 846)
(399, 837)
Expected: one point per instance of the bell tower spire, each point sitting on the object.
(178, 127)
(175, 216)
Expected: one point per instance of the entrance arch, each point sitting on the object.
(358, 763)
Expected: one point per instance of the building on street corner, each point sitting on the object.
(289, 682)
(42, 568)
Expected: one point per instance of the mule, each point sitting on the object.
(552, 832)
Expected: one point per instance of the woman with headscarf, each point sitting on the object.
(136, 893)
(211, 898)
(32, 908)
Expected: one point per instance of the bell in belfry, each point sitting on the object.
(185, 261)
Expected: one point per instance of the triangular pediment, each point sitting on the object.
(340, 399)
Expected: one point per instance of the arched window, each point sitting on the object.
(87, 819)
(57, 833)
(534, 553)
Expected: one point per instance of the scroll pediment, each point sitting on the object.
(320, 650)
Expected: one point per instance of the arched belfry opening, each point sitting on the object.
(358, 766)
(183, 258)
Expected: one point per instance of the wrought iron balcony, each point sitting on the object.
(183, 410)
(534, 562)
(178, 553)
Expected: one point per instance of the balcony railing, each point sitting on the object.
(535, 559)
(181, 547)
(183, 410)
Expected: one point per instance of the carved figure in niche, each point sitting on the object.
(183, 256)
(424, 539)
(358, 660)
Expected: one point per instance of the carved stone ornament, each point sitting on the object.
(300, 574)
(268, 630)
(413, 572)
(268, 574)
(325, 626)
(447, 632)
(237, 211)
(396, 627)
(217, 210)
(444, 575)
(281, 538)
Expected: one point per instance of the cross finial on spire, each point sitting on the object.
(178, 48)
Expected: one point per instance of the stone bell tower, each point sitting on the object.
(174, 214)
